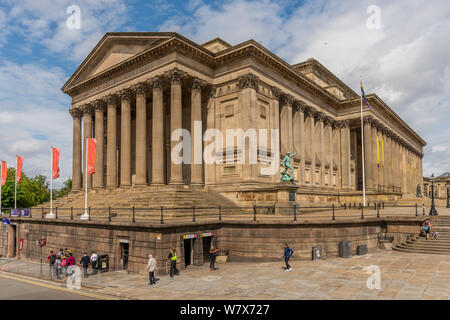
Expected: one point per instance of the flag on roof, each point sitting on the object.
(364, 95)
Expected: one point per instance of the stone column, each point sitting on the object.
(112, 102)
(125, 135)
(345, 153)
(368, 168)
(329, 147)
(175, 75)
(300, 139)
(141, 134)
(99, 137)
(276, 93)
(389, 160)
(76, 151)
(309, 113)
(196, 134)
(157, 133)
(383, 156)
(287, 142)
(320, 119)
(374, 161)
(88, 110)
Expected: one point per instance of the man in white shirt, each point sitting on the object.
(94, 259)
(151, 266)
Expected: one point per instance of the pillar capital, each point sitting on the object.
(299, 106)
(309, 112)
(140, 88)
(328, 121)
(319, 116)
(175, 76)
(248, 80)
(111, 100)
(156, 83)
(211, 91)
(126, 94)
(197, 83)
(367, 120)
(276, 92)
(76, 112)
(99, 105)
(88, 109)
(287, 100)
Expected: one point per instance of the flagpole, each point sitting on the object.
(51, 214)
(85, 215)
(15, 187)
(362, 151)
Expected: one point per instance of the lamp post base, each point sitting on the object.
(50, 215)
(84, 216)
(433, 211)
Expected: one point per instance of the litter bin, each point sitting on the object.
(317, 253)
(103, 263)
(361, 250)
(345, 249)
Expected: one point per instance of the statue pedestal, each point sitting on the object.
(286, 193)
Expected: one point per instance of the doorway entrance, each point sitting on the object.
(124, 252)
(206, 248)
(188, 251)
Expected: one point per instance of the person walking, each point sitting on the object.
(85, 261)
(288, 252)
(213, 252)
(64, 264)
(151, 266)
(94, 261)
(173, 262)
(51, 260)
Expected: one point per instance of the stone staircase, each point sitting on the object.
(176, 200)
(441, 224)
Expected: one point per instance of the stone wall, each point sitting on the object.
(246, 241)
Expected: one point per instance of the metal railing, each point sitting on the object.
(173, 214)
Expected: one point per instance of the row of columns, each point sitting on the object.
(393, 173)
(123, 100)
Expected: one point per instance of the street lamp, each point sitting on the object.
(448, 194)
(433, 211)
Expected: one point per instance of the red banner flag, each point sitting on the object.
(19, 169)
(55, 168)
(4, 172)
(92, 152)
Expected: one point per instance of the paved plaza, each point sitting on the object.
(403, 276)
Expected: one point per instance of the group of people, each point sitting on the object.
(172, 257)
(60, 263)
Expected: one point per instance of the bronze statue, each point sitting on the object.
(287, 165)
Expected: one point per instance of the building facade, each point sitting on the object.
(441, 186)
(134, 90)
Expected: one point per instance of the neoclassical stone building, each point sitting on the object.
(134, 89)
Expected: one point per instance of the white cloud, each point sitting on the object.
(33, 117)
(405, 62)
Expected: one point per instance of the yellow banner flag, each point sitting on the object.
(382, 149)
(378, 151)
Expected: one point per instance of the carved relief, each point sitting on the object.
(248, 81)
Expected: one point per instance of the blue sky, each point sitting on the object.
(405, 61)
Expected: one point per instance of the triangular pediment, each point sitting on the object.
(113, 49)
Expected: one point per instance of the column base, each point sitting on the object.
(176, 182)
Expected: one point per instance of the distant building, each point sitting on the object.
(440, 186)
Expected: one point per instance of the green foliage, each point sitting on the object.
(30, 191)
